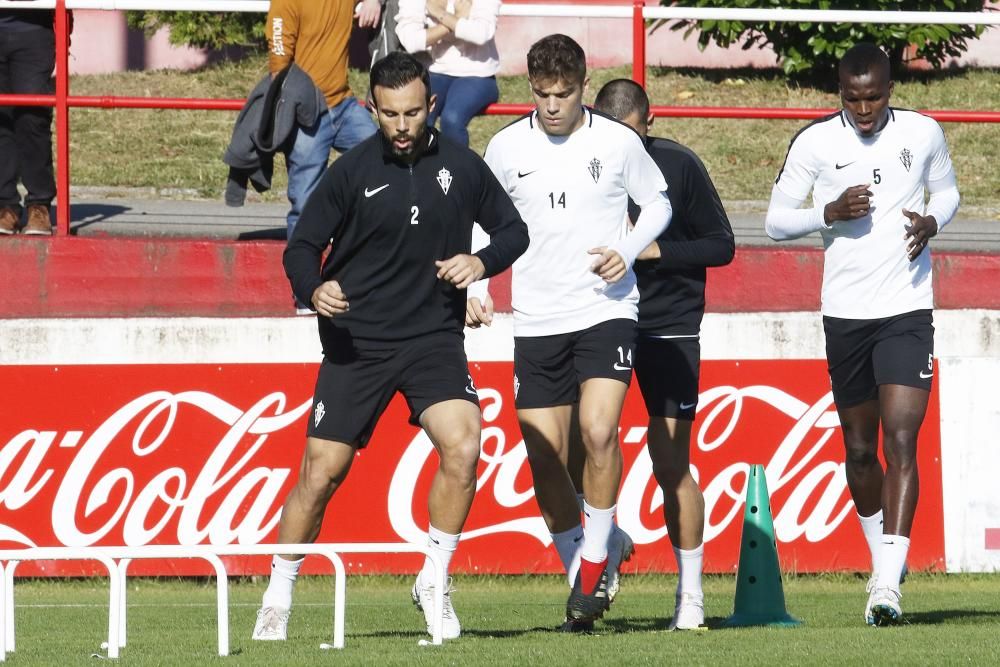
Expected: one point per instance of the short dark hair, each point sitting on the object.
(621, 98)
(557, 57)
(862, 58)
(397, 70)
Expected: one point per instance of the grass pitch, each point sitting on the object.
(950, 619)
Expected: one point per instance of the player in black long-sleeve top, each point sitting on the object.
(397, 212)
(671, 277)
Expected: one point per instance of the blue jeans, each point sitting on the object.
(459, 98)
(343, 127)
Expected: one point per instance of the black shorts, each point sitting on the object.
(864, 354)
(355, 384)
(548, 370)
(667, 372)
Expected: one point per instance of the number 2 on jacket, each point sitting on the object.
(414, 212)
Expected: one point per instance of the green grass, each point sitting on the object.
(182, 149)
(511, 620)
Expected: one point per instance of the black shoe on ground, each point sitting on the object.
(588, 607)
(578, 627)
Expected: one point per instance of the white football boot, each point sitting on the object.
(272, 625)
(885, 607)
(423, 598)
(870, 589)
(620, 550)
(689, 613)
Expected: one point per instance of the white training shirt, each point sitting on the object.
(867, 274)
(572, 191)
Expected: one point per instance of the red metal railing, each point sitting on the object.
(62, 101)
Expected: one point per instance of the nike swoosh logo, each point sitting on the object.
(924, 376)
(619, 367)
(470, 390)
(369, 193)
(687, 406)
(846, 164)
(522, 174)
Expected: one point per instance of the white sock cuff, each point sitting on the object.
(688, 554)
(896, 539)
(441, 540)
(873, 519)
(286, 567)
(592, 511)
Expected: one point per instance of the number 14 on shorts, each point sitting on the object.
(624, 362)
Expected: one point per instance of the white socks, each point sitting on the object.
(443, 545)
(872, 528)
(597, 526)
(893, 559)
(279, 588)
(689, 567)
(568, 544)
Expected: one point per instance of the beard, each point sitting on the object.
(414, 143)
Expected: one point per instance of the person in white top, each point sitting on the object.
(570, 172)
(869, 167)
(459, 36)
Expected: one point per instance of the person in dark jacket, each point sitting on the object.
(671, 277)
(27, 58)
(398, 211)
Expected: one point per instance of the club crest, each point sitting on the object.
(318, 413)
(595, 169)
(444, 179)
(906, 157)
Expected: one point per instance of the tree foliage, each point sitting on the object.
(812, 50)
(213, 30)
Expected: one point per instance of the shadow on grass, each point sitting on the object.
(939, 616)
(655, 624)
(466, 632)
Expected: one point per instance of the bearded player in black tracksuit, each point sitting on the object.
(671, 277)
(398, 211)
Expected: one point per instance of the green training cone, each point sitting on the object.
(760, 599)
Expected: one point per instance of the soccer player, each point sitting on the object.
(398, 211)
(671, 276)
(869, 167)
(570, 172)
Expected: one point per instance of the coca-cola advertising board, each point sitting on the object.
(205, 453)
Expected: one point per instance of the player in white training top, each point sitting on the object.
(868, 168)
(570, 172)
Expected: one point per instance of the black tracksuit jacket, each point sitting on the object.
(386, 223)
(672, 289)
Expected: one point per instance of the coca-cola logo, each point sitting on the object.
(245, 498)
(206, 454)
(795, 463)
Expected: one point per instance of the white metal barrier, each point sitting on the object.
(117, 559)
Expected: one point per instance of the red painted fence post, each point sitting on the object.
(638, 43)
(62, 119)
